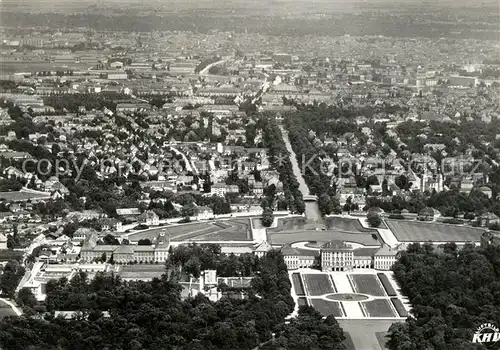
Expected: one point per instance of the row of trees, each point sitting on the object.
(278, 156)
(450, 203)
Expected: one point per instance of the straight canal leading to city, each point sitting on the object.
(313, 213)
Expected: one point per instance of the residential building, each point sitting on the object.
(204, 213)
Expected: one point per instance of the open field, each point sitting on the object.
(302, 301)
(6, 310)
(417, 231)
(284, 224)
(227, 230)
(138, 271)
(23, 195)
(327, 308)
(367, 284)
(348, 225)
(317, 284)
(297, 284)
(378, 308)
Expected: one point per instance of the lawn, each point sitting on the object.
(6, 310)
(367, 284)
(143, 268)
(398, 305)
(173, 231)
(378, 308)
(285, 224)
(297, 284)
(417, 231)
(349, 225)
(227, 230)
(348, 343)
(387, 284)
(302, 301)
(148, 271)
(327, 308)
(317, 284)
(230, 230)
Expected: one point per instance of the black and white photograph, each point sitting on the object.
(249, 175)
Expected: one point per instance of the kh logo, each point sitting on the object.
(486, 334)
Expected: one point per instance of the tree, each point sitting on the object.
(374, 219)
(12, 274)
(402, 182)
(325, 204)
(188, 210)
(109, 239)
(267, 217)
(145, 241)
(309, 331)
(26, 298)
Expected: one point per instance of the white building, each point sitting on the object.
(36, 278)
(385, 258)
(3, 241)
(337, 256)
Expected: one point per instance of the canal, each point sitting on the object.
(313, 213)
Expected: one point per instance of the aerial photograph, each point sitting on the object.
(249, 174)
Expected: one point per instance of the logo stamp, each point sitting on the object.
(487, 334)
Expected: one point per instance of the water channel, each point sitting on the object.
(313, 213)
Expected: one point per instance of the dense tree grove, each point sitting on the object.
(450, 203)
(308, 331)
(12, 274)
(151, 315)
(374, 219)
(193, 258)
(267, 217)
(452, 292)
